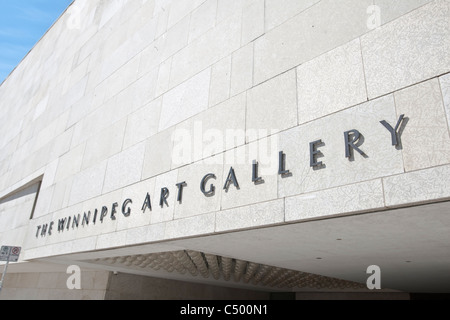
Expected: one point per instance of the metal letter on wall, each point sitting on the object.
(212, 189)
(164, 196)
(147, 203)
(180, 186)
(114, 211)
(231, 179)
(255, 178)
(315, 153)
(353, 139)
(395, 132)
(126, 212)
(282, 165)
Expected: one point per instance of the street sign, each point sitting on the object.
(10, 254)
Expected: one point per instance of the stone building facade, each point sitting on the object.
(231, 148)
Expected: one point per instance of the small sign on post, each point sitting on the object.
(8, 254)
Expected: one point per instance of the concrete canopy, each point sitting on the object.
(410, 245)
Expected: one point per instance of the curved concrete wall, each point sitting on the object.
(123, 101)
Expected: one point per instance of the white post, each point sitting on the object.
(4, 271)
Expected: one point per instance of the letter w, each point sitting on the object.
(61, 224)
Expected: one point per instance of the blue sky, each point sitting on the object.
(22, 24)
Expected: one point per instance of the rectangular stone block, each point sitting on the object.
(411, 49)
(161, 15)
(88, 183)
(158, 154)
(151, 57)
(391, 10)
(151, 233)
(272, 106)
(309, 34)
(70, 163)
(43, 203)
(84, 244)
(416, 187)
(253, 21)
(163, 77)
(203, 18)
(342, 200)
(242, 70)
(186, 100)
(425, 139)
(61, 194)
(261, 214)
(220, 42)
(124, 168)
(108, 240)
(331, 82)
(104, 145)
(445, 88)
(142, 30)
(180, 9)
(140, 92)
(175, 38)
(204, 136)
(192, 226)
(143, 123)
(220, 81)
(226, 8)
(279, 11)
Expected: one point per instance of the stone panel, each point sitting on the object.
(125, 168)
(411, 49)
(311, 33)
(391, 10)
(279, 11)
(203, 18)
(210, 133)
(88, 183)
(331, 82)
(192, 226)
(242, 70)
(104, 145)
(220, 81)
(186, 100)
(341, 200)
(253, 21)
(158, 154)
(425, 140)
(417, 187)
(272, 106)
(261, 214)
(213, 46)
(143, 123)
(445, 88)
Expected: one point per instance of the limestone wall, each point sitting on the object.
(121, 99)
